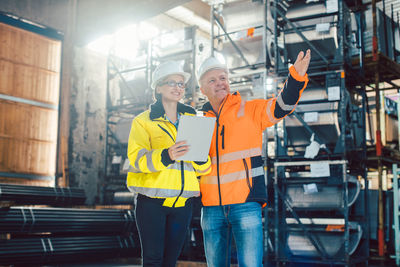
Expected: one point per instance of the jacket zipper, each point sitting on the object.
(247, 173)
(223, 137)
(217, 152)
(182, 169)
(182, 182)
(219, 183)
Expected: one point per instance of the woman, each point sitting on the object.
(164, 184)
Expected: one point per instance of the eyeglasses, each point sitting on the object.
(173, 84)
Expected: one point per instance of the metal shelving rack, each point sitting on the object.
(335, 67)
(396, 214)
(242, 44)
(323, 242)
(325, 72)
(353, 72)
(328, 71)
(380, 65)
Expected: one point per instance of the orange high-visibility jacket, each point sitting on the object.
(237, 174)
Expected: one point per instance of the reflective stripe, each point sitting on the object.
(271, 118)
(188, 166)
(177, 166)
(140, 154)
(283, 105)
(224, 178)
(150, 164)
(241, 109)
(159, 192)
(252, 152)
(132, 169)
(149, 159)
(173, 166)
(203, 171)
(231, 177)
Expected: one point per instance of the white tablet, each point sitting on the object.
(197, 132)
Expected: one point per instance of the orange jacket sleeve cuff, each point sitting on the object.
(296, 76)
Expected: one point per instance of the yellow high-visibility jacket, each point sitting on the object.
(152, 172)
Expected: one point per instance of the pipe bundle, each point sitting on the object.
(58, 220)
(124, 198)
(64, 249)
(36, 195)
(56, 235)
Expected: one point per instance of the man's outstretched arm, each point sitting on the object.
(297, 81)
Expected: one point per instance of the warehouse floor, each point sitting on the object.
(190, 264)
(136, 263)
(127, 263)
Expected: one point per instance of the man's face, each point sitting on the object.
(215, 85)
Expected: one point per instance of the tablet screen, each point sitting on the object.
(197, 132)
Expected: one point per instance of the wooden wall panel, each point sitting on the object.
(24, 47)
(6, 77)
(34, 84)
(7, 41)
(21, 121)
(22, 156)
(28, 138)
(29, 69)
(46, 54)
(29, 65)
(46, 82)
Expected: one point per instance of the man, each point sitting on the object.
(234, 192)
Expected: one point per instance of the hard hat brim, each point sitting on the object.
(213, 67)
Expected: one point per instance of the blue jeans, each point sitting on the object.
(244, 222)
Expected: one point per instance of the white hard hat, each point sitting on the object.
(168, 68)
(210, 63)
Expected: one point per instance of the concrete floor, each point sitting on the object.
(133, 263)
(194, 264)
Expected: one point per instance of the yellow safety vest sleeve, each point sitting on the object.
(203, 168)
(140, 153)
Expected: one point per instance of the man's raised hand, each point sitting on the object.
(302, 62)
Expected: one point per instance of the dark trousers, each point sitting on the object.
(162, 230)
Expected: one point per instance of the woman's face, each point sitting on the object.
(172, 88)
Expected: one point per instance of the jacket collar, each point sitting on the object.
(231, 99)
(157, 110)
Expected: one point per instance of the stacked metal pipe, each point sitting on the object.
(63, 249)
(53, 235)
(36, 195)
(124, 198)
(59, 220)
